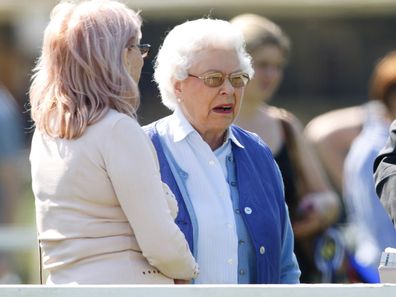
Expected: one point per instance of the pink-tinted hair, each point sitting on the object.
(81, 72)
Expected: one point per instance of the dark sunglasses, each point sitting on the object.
(143, 48)
(216, 79)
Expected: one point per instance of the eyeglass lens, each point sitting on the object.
(237, 80)
(144, 49)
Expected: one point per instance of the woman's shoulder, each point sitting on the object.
(116, 120)
(284, 115)
(336, 123)
(112, 128)
(116, 129)
(289, 122)
(248, 139)
(254, 149)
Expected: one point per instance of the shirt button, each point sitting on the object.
(237, 211)
(241, 241)
(211, 162)
(233, 184)
(262, 250)
(241, 271)
(230, 261)
(248, 210)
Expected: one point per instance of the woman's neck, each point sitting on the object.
(214, 139)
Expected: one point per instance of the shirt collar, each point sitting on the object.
(181, 128)
(230, 135)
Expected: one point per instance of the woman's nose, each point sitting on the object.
(270, 71)
(227, 88)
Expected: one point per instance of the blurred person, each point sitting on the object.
(371, 230)
(103, 214)
(228, 186)
(332, 134)
(11, 145)
(385, 174)
(313, 205)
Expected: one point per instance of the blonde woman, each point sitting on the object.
(103, 214)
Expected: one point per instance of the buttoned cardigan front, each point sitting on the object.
(261, 200)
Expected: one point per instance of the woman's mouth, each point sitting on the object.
(224, 108)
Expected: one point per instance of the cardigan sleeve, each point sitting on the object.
(290, 272)
(133, 169)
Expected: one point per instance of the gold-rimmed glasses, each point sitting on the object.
(215, 79)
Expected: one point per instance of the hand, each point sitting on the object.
(315, 213)
(308, 226)
(181, 282)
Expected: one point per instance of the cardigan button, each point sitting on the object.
(248, 210)
(262, 250)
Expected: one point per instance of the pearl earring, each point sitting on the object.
(178, 100)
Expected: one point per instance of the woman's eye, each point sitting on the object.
(214, 80)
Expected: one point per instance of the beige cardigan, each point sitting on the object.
(103, 214)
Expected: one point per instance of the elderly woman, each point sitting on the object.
(228, 186)
(103, 214)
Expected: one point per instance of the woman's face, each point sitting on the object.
(210, 109)
(134, 62)
(268, 63)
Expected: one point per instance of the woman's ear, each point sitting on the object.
(177, 88)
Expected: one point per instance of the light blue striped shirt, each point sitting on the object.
(209, 192)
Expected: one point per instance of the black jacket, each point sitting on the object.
(385, 174)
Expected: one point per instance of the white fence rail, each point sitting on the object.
(23, 239)
(333, 290)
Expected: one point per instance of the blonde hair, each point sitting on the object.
(81, 72)
(259, 31)
(179, 50)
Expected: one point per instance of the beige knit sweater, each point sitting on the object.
(103, 214)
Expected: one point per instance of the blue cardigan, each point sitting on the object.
(260, 190)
